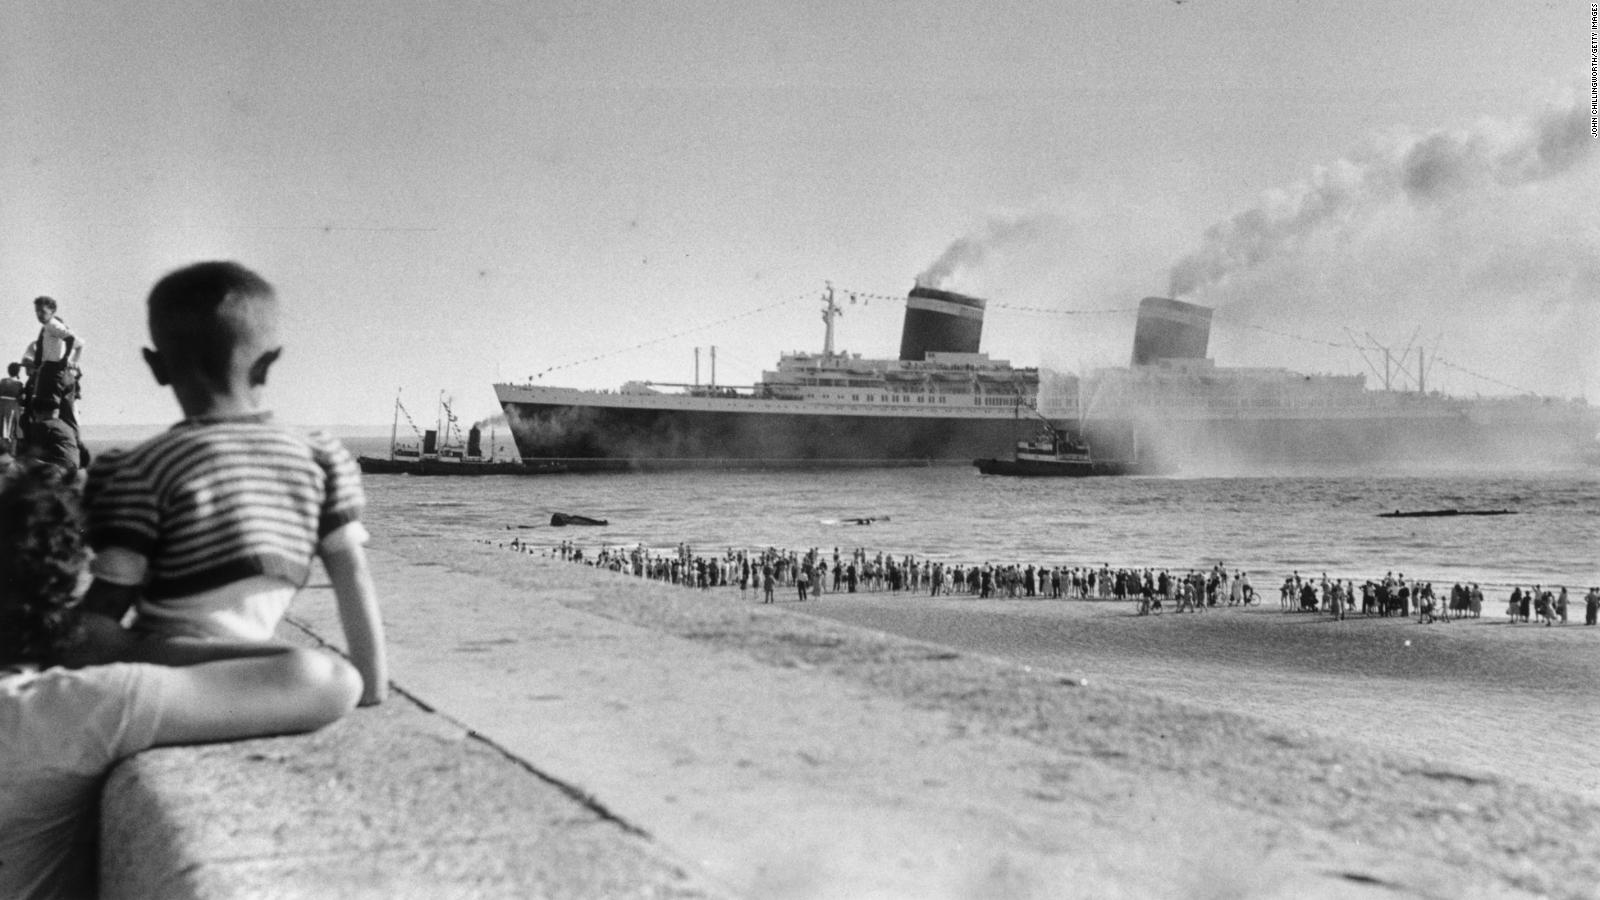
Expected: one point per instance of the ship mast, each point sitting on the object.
(830, 313)
(394, 427)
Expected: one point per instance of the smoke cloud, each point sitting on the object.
(1487, 237)
(998, 233)
(1418, 170)
(1436, 167)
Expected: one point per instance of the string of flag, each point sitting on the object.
(407, 413)
(1049, 311)
(672, 336)
(1337, 345)
(865, 297)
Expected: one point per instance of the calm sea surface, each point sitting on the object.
(1531, 711)
(1265, 526)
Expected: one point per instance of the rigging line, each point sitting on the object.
(407, 413)
(1064, 312)
(853, 295)
(676, 334)
(1294, 337)
(1355, 346)
(1448, 364)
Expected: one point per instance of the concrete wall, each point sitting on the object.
(394, 801)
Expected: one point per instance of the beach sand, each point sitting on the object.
(1521, 701)
(791, 755)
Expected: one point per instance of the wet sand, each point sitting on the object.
(1520, 701)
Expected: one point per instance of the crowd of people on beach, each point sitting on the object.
(815, 571)
(812, 572)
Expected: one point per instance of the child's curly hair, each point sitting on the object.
(41, 555)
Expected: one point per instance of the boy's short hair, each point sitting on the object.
(47, 302)
(200, 314)
(41, 554)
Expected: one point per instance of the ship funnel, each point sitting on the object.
(940, 322)
(1170, 329)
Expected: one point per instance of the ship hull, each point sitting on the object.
(595, 431)
(375, 465)
(1447, 435)
(595, 437)
(1033, 468)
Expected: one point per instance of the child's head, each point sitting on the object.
(41, 554)
(214, 326)
(44, 308)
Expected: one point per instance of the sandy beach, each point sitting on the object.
(1231, 753)
(1521, 701)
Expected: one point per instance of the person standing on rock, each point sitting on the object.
(54, 373)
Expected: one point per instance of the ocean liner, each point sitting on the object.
(944, 401)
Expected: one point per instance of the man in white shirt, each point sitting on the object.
(54, 367)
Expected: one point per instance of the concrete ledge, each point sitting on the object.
(393, 801)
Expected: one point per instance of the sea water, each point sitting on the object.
(1537, 718)
(1268, 527)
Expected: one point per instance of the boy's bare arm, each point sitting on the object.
(286, 691)
(357, 598)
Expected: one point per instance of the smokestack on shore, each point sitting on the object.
(940, 322)
(1170, 329)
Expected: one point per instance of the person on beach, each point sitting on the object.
(1544, 605)
(62, 729)
(1425, 607)
(1591, 606)
(209, 529)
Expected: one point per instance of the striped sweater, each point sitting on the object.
(211, 502)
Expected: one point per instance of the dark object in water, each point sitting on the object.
(560, 519)
(1055, 454)
(1431, 513)
(401, 465)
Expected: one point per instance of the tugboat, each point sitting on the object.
(1052, 454)
(441, 451)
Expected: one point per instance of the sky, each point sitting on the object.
(447, 195)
